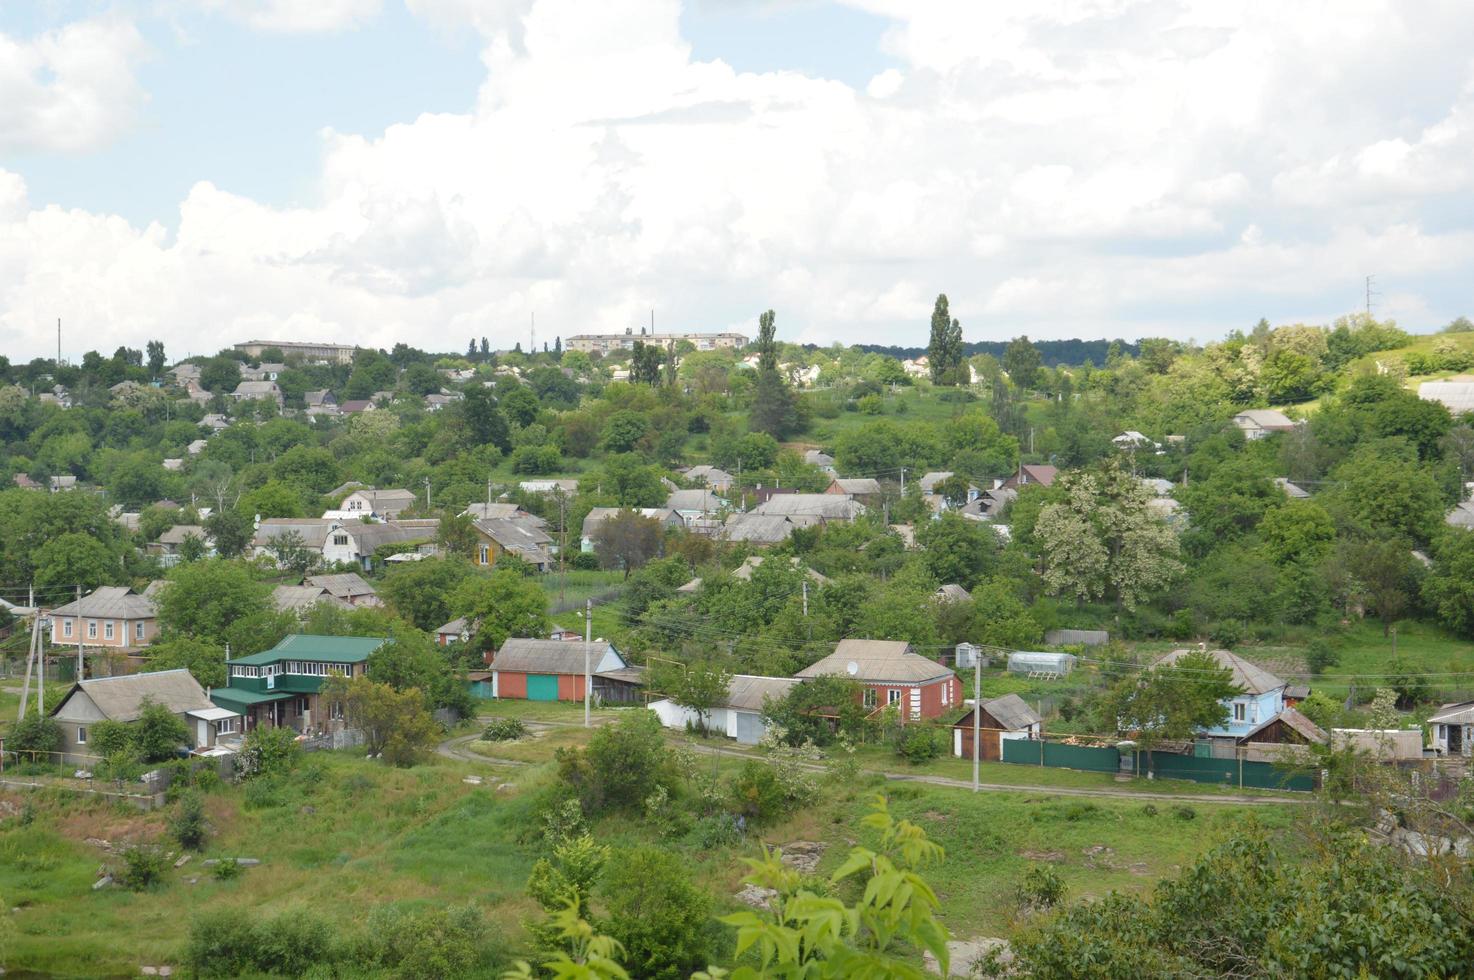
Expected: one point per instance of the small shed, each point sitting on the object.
(1001, 719)
(478, 682)
(1040, 663)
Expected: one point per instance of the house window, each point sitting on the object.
(485, 555)
(893, 696)
(138, 629)
(225, 726)
(107, 630)
(66, 627)
(870, 697)
(1239, 711)
(336, 711)
(341, 540)
(81, 735)
(301, 706)
(91, 629)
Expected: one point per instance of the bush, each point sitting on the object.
(758, 794)
(188, 822)
(144, 866)
(158, 734)
(921, 743)
(268, 752)
(504, 730)
(1319, 655)
(584, 562)
(226, 869)
(1228, 634)
(424, 945)
(715, 831)
(660, 916)
(33, 733)
(1185, 813)
(1042, 888)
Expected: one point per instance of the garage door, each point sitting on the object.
(542, 687)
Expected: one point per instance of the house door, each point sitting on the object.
(542, 687)
(1455, 739)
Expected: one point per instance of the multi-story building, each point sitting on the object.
(111, 616)
(332, 353)
(604, 343)
(279, 687)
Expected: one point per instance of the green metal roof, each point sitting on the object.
(235, 697)
(318, 649)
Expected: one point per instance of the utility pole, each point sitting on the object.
(562, 543)
(903, 481)
(488, 496)
(427, 493)
(79, 633)
(1370, 293)
(977, 710)
(806, 595)
(588, 670)
(58, 345)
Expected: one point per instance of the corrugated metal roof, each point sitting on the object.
(319, 649)
(109, 602)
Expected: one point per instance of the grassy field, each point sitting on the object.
(574, 586)
(346, 835)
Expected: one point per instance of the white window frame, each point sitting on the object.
(1240, 711)
(225, 726)
(893, 696)
(107, 630)
(872, 697)
(91, 629)
(66, 627)
(335, 711)
(81, 734)
(138, 629)
(340, 540)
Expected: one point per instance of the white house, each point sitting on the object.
(122, 699)
(384, 505)
(1453, 729)
(1257, 423)
(740, 715)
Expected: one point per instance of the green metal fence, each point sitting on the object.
(1033, 752)
(1224, 772)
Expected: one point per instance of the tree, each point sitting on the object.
(155, 357)
(624, 482)
(775, 408)
(457, 536)
(645, 364)
(1449, 587)
(1296, 530)
(699, 687)
(1102, 539)
(75, 559)
(204, 660)
(803, 713)
(623, 430)
(1385, 568)
(232, 532)
(396, 725)
(627, 540)
(272, 499)
(206, 599)
(957, 550)
(36, 733)
(484, 419)
(220, 375)
(1021, 360)
(158, 734)
(291, 553)
(1170, 702)
(420, 592)
(519, 404)
(657, 913)
(503, 604)
(621, 765)
(944, 351)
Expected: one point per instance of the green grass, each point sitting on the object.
(576, 586)
(10, 688)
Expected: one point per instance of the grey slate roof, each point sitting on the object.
(346, 585)
(109, 602)
(526, 540)
(121, 698)
(314, 530)
(859, 486)
(177, 534)
(549, 656)
(1011, 712)
(877, 660)
(1461, 713)
(829, 506)
(762, 528)
(1251, 677)
(747, 692)
(1292, 491)
(952, 592)
(702, 500)
(1456, 396)
(714, 477)
(296, 598)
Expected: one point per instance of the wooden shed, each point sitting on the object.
(1002, 718)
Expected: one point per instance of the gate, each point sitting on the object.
(542, 687)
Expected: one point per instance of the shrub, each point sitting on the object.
(108, 738)
(584, 562)
(658, 914)
(144, 866)
(757, 794)
(1149, 809)
(226, 869)
(921, 743)
(1319, 655)
(33, 733)
(221, 943)
(268, 752)
(158, 734)
(1185, 813)
(188, 822)
(1228, 634)
(504, 730)
(262, 794)
(714, 831)
(1041, 888)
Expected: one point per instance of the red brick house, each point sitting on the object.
(893, 674)
(553, 670)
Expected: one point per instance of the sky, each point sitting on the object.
(427, 171)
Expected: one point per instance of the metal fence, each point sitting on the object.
(344, 739)
(1237, 772)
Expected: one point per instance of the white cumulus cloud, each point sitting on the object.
(70, 89)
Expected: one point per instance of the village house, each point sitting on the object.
(346, 587)
(1452, 728)
(693, 504)
(168, 545)
(123, 698)
(300, 599)
(1261, 697)
(382, 505)
(112, 616)
(929, 483)
(498, 536)
(598, 515)
(1029, 473)
(553, 670)
(1256, 423)
(550, 487)
(502, 509)
(825, 507)
(458, 630)
(1287, 731)
(763, 529)
(258, 391)
(710, 477)
(864, 489)
(740, 714)
(280, 687)
(359, 543)
(1002, 718)
(823, 460)
(892, 674)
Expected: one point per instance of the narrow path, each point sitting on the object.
(454, 748)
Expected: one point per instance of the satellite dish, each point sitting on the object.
(852, 668)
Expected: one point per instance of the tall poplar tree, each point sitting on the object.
(944, 352)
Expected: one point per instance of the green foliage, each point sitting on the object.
(1169, 702)
(957, 550)
(212, 601)
(226, 869)
(801, 713)
(396, 724)
(1041, 888)
(34, 733)
(922, 743)
(657, 913)
(503, 604)
(571, 872)
(144, 867)
(187, 822)
(225, 943)
(622, 762)
(158, 734)
(504, 730)
(1319, 654)
(1449, 586)
(72, 559)
(268, 753)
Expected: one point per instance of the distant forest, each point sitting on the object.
(1052, 352)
